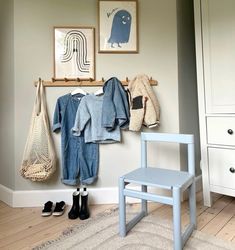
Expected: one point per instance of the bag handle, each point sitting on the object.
(42, 98)
(43, 106)
(38, 98)
(40, 102)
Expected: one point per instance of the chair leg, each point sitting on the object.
(122, 208)
(177, 218)
(144, 204)
(192, 204)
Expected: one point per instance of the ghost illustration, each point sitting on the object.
(121, 27)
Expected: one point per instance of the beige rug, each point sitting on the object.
(101, 233)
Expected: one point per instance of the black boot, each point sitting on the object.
(74, 211)
(84, 212)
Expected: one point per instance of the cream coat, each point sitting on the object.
(149, 113)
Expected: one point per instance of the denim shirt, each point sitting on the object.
(88, 119)
(115, 108)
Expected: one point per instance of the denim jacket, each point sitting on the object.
(115, 109)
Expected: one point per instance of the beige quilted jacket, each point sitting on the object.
(144, 106)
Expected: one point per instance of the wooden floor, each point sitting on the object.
(23, 228)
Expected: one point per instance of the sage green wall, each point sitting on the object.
(158, 52)
(7, 170)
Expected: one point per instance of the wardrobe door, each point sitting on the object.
(218, 34)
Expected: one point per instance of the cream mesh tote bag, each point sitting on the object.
(39, 159)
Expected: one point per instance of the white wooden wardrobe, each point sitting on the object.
(215, 53)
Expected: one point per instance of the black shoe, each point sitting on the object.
(74, 211)
(47, 210)
(59, 208)
(84, 212)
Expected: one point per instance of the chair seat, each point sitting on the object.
(158, 177)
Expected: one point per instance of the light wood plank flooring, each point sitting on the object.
(23, 228)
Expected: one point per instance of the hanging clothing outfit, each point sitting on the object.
(79, 159)
(115, 108)
(145, 109)
(89, 118)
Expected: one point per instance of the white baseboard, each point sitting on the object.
(6, 195)
(36, 198)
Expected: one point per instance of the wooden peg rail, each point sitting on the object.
(77, 82)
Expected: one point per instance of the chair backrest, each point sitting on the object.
(174, 138)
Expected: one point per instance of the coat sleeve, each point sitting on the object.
(57, 116)
(152, 109)
(108, 108)
(121, 104)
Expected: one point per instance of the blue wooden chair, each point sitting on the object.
(174, 180)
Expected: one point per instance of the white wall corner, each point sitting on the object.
(6, 195)
(198, 181)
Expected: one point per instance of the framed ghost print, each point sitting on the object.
(118, 30)
(74, 52)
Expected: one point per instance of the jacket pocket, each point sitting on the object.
(137, 102)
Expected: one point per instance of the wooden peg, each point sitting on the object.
(78, 79)
(151, 78)
(127, 80)
(102, 79)
(90, 79)
(53, 79)
(66, 79)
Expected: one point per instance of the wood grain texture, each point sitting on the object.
(23, 228)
